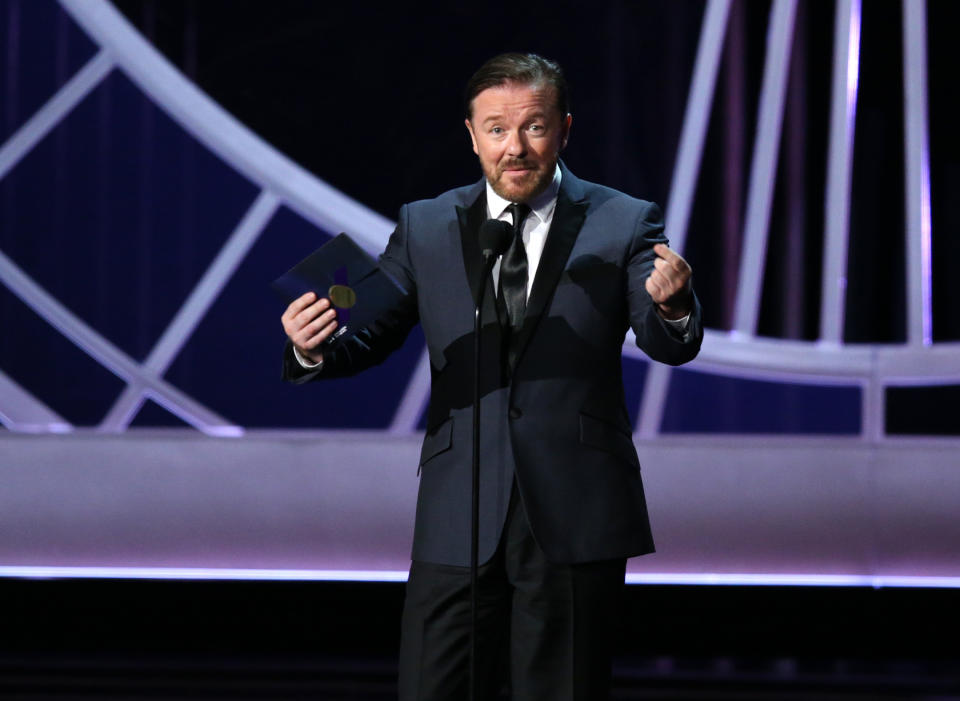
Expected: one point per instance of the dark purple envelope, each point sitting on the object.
(343, 272)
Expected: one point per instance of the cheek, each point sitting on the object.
(488, 153)
(548, 150)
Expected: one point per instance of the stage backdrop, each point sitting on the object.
(162, 162)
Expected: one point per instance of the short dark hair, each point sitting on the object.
(524, 69)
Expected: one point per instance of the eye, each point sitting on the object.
(496, 130)
(536, 128)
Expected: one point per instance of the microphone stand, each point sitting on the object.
(494, 237)
(489, 257)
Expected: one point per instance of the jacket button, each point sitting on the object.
(515, 413)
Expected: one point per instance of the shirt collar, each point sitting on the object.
(542, 205)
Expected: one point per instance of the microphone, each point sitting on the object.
(494, 239)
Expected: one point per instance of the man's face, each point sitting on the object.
(518, 133)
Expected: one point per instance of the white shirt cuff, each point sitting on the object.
(677, 324)
(681, 326)
(304, 363)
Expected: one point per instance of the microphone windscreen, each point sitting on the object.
(494, 237)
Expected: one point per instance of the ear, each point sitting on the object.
(473, 137)
(567, 121)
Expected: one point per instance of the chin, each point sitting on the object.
(524, 190)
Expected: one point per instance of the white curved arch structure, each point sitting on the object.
(220, 131)
(280, 181)
(728, 510)
(739, 353)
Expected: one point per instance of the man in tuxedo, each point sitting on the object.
(561, 499)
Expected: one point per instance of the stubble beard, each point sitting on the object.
(534, 182)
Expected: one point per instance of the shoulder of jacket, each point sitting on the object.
(604, 194)
(597, 194)
(460, 196)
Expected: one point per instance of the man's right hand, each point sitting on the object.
(308, 322)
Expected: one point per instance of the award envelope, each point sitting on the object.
(357, 287)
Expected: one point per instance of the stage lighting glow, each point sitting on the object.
(633, 578)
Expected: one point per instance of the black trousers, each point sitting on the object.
(545, 629)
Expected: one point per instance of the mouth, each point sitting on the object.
(518, 169)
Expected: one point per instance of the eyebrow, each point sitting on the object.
(497, 117)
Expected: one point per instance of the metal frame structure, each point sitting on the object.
(739, 353)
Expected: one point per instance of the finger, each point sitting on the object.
(310, 325)
(312, 312)
(675, 278)
(667, 280)
(663, 266)
(299, 304)
(297, 316)
(294, 328)
(654, 289)
(319, 323)
(671, 257)
(322, 335)
(664, 251)
(293, 324)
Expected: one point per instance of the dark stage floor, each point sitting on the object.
(111, 639)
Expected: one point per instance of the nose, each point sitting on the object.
(516, 144)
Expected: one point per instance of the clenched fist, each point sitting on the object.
(669, 283)
(308, 322)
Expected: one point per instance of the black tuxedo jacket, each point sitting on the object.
(556, 420)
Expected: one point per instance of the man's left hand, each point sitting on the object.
(669, 283)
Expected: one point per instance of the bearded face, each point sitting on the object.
(517, 134)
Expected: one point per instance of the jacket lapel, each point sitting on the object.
(470, 218)
(568, 218)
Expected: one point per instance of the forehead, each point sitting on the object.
(514, 98)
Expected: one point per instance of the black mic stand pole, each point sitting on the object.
(488, 258)
(494, 237)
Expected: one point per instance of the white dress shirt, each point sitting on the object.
(535, 226)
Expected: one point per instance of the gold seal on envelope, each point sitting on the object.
(342, 296)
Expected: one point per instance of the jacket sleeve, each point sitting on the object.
(654, 336)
